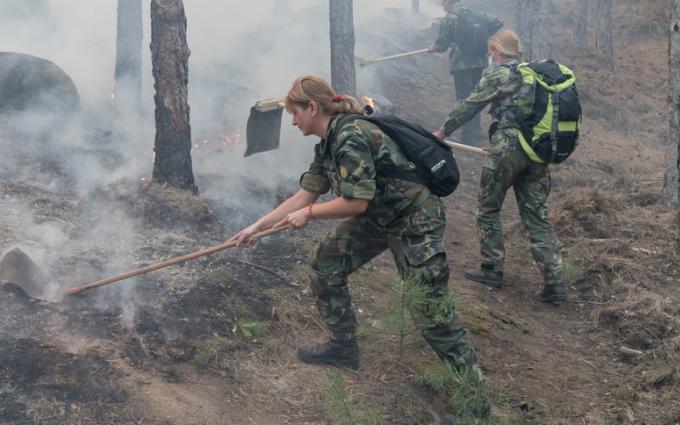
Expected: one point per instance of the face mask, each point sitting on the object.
(492, 64)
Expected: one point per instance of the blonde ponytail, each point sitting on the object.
(507, 43)
(310, 88)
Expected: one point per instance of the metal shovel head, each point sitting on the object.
(18, 269)
(263, 131)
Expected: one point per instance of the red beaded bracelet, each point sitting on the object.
(309, 212)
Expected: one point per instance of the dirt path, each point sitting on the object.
(213, 341)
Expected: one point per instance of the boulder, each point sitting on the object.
(31, 84)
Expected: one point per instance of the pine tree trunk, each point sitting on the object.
(128, 74)
(605, 40)
(671, 184)
(170, 62)
(582, 25)
(415, 6)
(343, 73)
(526, 22)
(545, 29)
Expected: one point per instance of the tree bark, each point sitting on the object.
(170, 62)
(605, 40)
(671, 184)
(526, 22)
(544, 33)
(127, 88)
(582, 25)
(343, 71)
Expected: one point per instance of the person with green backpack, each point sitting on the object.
(465, 31)
(535, 115)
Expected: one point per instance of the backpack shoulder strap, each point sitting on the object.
(395, 128)
(342, 120)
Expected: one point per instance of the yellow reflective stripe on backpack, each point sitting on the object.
(529, 75)
(528, 150)
(567, 126)
(544, 126)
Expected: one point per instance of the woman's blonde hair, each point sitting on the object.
(507, 43)
(310, 88)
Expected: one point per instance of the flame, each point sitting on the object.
(227, 141)
(232, 140)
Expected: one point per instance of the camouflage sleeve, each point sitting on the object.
(355, 165)
(445, 38)
(314, 180)
(489, 86)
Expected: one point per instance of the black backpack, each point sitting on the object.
(473, 31)
(436, 165)
(548, 111)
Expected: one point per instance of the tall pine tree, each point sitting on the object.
(343, 71)
(128, 74)
(170, 62)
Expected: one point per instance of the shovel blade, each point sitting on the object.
(263, 131)
(18, 269)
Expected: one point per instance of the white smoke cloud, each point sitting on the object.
(240, 52)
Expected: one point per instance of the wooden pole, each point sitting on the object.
(390, 57)
(171, 261)
(463, 147)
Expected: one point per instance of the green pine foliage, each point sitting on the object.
(465, 391)
(347, 407)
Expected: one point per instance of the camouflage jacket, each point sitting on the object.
(500, 87)
(448, 37)
(351, 168)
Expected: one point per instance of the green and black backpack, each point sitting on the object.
(473, 31)
(548, 110)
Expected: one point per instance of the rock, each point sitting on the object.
(31, 84)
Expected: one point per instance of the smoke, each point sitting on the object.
(240, 52)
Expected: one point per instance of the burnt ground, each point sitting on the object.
(213, 341)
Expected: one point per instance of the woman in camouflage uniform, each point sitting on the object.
(507, 165)
(381, 213)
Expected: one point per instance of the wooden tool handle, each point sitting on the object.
(390, 57)
(172, 261)
(463, 147)
(265, 105)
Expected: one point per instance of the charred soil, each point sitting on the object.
(213, 341)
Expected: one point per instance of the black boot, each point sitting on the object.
(486, 277)
(336, 353)
(555, 294)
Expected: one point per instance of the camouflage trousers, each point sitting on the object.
(507, 165)
(416, 244)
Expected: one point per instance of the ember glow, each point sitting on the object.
(228, 141)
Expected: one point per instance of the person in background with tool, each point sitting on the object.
(508, 165)
(380, 213)
(466, 31)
